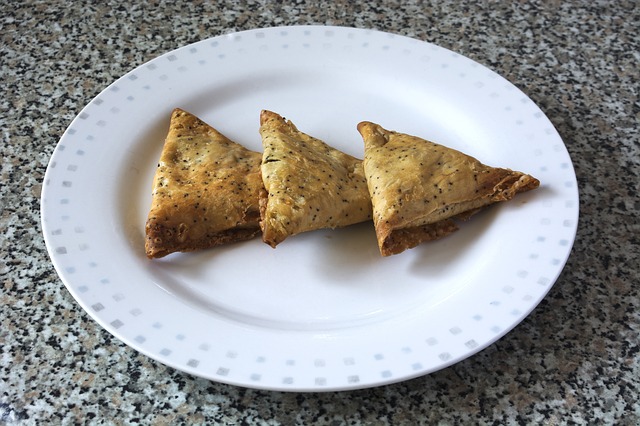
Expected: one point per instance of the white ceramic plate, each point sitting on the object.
(323, 311)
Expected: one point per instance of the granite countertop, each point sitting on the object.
(575, 359)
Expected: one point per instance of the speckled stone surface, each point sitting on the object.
(574, 360)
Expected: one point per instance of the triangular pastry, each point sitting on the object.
(419, 188)
(308, 184)
(205, 190)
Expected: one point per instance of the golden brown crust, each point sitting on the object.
(205, 190)
(419, 185)
(399, 240)
(308, 184)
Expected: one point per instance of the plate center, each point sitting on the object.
(321, 280)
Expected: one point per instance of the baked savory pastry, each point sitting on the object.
(419, 188)
(308, 184)
(205, 190)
